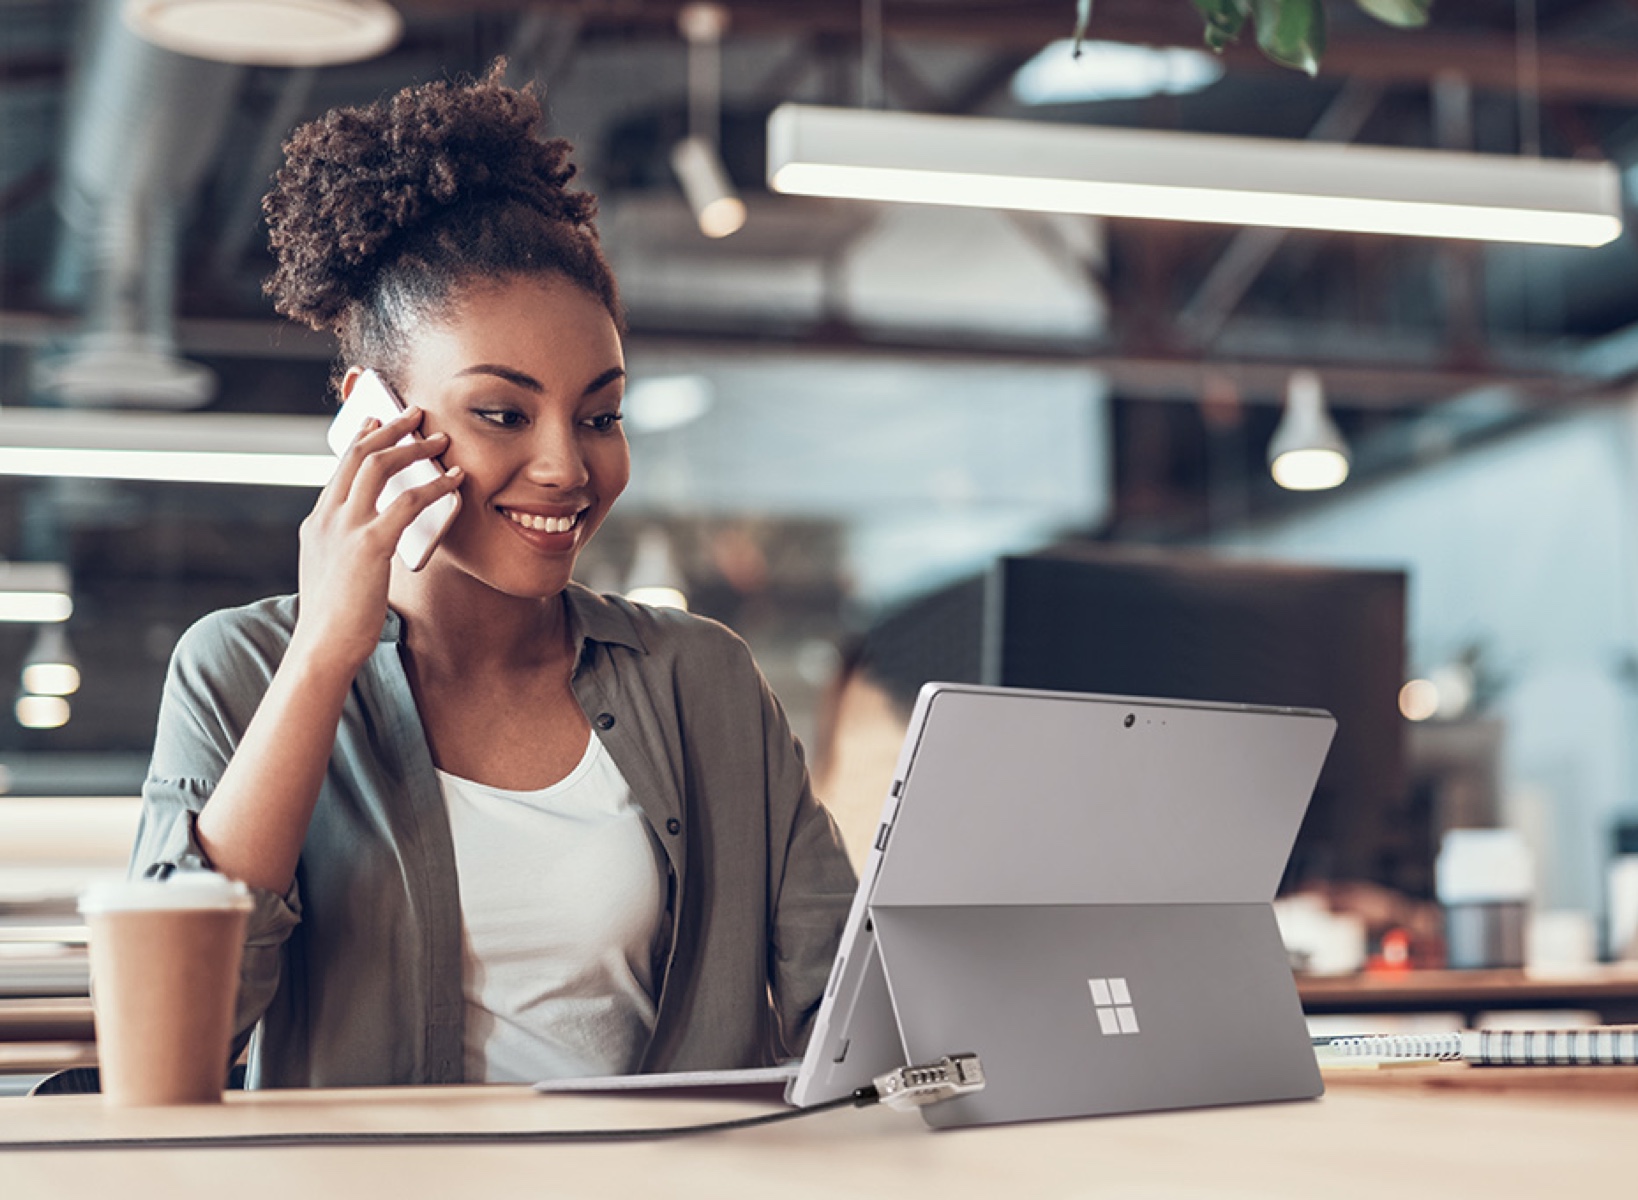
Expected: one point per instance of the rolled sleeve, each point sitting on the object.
(217, 676)
(167, 841)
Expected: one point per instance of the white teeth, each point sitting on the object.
(544, 524)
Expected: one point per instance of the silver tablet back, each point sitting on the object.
(1041, 852)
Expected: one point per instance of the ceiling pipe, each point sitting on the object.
(143, 128)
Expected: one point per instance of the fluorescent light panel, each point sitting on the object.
(35, 608)
(169, 466)
(160, 447)
(1045, 167)
(35, 593)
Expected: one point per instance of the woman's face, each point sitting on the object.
(526, 377)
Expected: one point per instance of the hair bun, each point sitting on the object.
(358, 183)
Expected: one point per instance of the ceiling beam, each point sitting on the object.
(1372, 52)
(1160, 373)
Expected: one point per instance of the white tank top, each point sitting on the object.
(562, 897)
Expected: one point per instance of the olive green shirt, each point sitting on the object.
(353, 977)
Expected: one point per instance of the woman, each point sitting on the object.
(497, 827)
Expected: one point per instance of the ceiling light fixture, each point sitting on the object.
(1307, 452)
(268, 33)
(237, 448)
(697, 159)
(665, 402)
(35, 593)
(1047, 167)
(42, 712)
(655, 579)
(1063, 74)
(51, 668)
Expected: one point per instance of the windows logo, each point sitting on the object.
(1113, 1001)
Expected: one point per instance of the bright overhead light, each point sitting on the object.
(238, 448)
(1042, 166)
(655, 578)
(1112, 71)
(35, 593)
(707, 188)
(697, 159)
(51, 668)
(664, 402)
(1307, 452)
(268, 33)
(42, 712)
(1419, 700)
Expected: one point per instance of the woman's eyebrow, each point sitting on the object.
(603, 380)
(530, 383)
(522, 380)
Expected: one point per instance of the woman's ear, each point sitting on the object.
(347, 381)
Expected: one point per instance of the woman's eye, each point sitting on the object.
(604, 422)
(506, 418)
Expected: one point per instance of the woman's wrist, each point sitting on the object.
(314, 663)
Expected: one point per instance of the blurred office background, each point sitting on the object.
(847, 418)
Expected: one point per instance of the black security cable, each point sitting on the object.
(860, 1098)
(902, 1088)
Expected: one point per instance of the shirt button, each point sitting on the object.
(604, 721)
(673, 826)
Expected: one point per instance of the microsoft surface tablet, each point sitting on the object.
(1078, 889)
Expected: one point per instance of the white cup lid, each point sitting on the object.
(183, 890)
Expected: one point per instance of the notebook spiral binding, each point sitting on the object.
(1591, 1047)
(1435, 1046)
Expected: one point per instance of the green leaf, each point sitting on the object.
(1224, 20)
(1083, 18)
(1407, 14)
(1291, 32)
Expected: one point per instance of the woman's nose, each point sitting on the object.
(556, 459)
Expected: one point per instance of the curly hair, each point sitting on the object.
(381, 215)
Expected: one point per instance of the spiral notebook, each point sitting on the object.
(1593, 1046)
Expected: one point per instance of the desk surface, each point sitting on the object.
(1611, 990)
(1436, 1132)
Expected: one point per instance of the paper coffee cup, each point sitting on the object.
(164, 980)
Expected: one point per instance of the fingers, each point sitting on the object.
(372, 437)
(381, 465)
(368, 525)
(404, 469)
(386, 477)
(408, 504)
(380, 451)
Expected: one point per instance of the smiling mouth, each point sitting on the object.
(542, 524)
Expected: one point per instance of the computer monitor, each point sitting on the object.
(1192, 626)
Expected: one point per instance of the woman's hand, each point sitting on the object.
(255, 822)
(347, 546)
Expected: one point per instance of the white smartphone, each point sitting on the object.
(371, 397)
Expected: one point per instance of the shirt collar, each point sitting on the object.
(598, 618)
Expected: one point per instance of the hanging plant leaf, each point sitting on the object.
(1407, 14)
(1224, 20)
(1291, 32)
(1083, 18)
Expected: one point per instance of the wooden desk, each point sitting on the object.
(1610, 991)
(1367, 1139)
(45, 1035)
